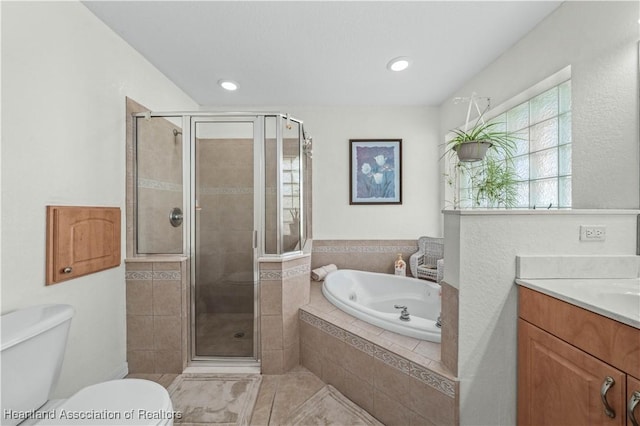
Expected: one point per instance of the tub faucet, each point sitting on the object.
(404, 315)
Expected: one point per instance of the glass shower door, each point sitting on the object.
(223, 247)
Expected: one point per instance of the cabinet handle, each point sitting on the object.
(67, 270)
(606, 385)
(633, 403)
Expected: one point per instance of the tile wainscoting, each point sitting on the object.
(284, 288)
(365, 255)
(157, 314)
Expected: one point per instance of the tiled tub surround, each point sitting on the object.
(398, 379)
(364, 255)
(284, 288)
(157, 320)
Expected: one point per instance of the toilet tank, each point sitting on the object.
(33, 343)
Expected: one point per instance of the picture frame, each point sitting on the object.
(375, 171)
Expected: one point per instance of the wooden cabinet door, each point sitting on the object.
(633, 385)
(81, 240)
(559, 384)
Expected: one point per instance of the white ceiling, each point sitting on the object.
(320, 53)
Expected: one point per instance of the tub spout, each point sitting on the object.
(404, 315)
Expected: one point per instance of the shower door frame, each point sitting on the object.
(258, 199)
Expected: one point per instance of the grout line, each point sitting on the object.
(273, 400)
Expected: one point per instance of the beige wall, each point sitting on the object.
(331, 128)
(65, 76)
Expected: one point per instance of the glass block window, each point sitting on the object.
(542, 156)
(290, 190)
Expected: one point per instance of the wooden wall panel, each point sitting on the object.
(81, 241)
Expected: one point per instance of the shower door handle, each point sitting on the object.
(255, 238)
(175, 217)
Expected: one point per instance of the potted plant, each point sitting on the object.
(472, 145)
(490, 183)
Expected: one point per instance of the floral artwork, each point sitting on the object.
(375, 171)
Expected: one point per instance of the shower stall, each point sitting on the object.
(226, 190)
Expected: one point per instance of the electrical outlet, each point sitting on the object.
(593, 232)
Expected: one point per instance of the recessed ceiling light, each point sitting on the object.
(399, 64)
(228, 85)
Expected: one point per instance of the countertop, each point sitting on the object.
(615, 298)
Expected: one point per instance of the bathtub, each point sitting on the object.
(371, 297)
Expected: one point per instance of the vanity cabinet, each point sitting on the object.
(568, 358)
(633, 398)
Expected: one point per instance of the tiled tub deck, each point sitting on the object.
(398, 379)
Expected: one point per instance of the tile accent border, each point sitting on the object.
(178, 187)
(274, 275)
(150, 275)
(363, 249)
(226, 191)
(157, 184)
(138, 275)
(419, 372)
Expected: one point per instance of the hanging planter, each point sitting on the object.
(493, 180)
(472, 150)
(472, 145)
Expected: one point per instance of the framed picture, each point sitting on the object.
(375, 171)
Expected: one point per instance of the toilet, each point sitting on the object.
(33, 344)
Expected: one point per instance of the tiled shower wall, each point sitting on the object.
(159, 186)
(157, 315)
(365, 255)
(159, 156)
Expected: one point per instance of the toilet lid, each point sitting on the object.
(117, 402)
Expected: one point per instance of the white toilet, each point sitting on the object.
(33, 345)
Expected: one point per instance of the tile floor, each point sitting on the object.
(278, 398)
(164, 379)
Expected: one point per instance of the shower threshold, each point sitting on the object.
(222, 366)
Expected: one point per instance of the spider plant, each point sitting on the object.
(496, 183)
(485, 136)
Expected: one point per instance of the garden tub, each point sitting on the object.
(372, 297)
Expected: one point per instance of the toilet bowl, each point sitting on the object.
(33, 343)
(116, 402)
